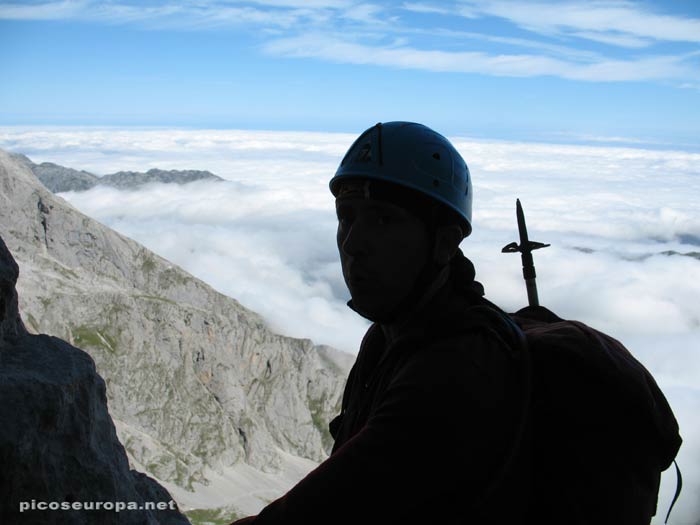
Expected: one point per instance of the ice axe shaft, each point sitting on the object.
(525, 248)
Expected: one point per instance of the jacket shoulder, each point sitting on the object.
(479, 361)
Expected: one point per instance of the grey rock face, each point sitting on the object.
(57, 441)
(193, 378)
(58, 179)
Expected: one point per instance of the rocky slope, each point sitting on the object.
(58, 444)
(194, 379)
(59, 178)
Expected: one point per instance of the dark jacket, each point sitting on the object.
(431, 429)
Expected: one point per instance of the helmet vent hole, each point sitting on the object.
(436, 183)
(436, 156)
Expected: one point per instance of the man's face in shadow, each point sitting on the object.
(383, 249)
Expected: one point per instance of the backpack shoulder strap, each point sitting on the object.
(486, 316)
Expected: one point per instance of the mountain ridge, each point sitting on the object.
(59, 179)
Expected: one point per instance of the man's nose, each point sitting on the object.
(355, 242)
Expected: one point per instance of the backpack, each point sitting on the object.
(602, 431)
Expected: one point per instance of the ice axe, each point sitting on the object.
(525, 248)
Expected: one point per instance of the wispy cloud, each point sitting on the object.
(631, 22)
(185, 15)
(337, 49)
(621, 40)
(418, 7)
(307, 4)
(690, 85)
(616, 23)
(348, 31)
(42, 11)
(553, 49)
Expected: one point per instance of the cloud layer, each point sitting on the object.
(611, 213)
(622, 222)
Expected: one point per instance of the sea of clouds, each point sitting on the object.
(623, 223)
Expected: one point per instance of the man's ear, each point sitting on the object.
(447, 239)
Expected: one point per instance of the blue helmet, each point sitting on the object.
(414, 156)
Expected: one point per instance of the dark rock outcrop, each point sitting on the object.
(11, 325)
(58, 444)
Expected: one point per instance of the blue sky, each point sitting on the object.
(611, 72)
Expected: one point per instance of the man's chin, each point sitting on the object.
(371, 306)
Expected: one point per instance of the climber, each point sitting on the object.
(432, 427)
